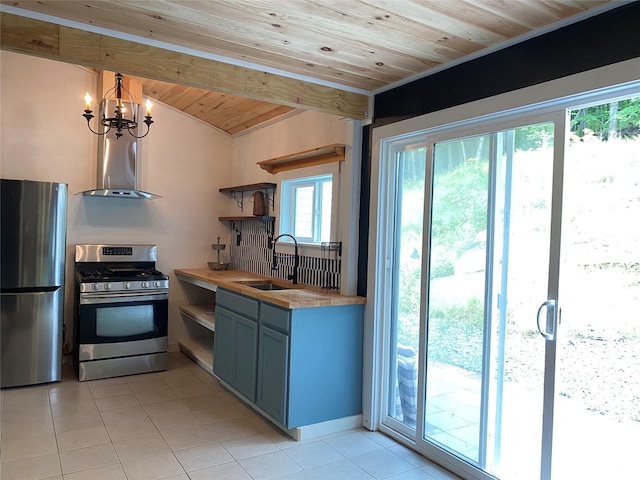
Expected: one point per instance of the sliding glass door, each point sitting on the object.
(471, 290)
(489, 257)
(487, 226)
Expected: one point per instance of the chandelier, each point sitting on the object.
(119, 99)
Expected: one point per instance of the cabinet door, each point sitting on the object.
(273, 373)
(223, 345)
(246, 355)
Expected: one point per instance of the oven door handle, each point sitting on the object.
(93, 298)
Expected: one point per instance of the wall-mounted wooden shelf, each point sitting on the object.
(244, 218)
(248, 188)
(308, 158)
(237, 193)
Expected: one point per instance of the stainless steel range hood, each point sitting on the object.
(118, 167)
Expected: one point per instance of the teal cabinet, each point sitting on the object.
(235, 349)
(306, 366)
(224, 346)
(273, 373)
(246, 355)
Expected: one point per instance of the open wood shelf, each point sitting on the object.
(248, 188)
(308, 158)
(237, 193)
(243, 218)
(197, 282)
(201, 314)
(200, 351)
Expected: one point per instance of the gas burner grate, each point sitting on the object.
(119, 272)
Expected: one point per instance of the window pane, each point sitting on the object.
(303, 217)
(409, 213)
(456, 304)
(306, 208)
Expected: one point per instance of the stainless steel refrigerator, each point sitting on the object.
(32, 257)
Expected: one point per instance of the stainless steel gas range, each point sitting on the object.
(121, 311)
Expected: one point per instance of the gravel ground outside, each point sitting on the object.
(601, 371)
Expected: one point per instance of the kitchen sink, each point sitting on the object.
(267, 285)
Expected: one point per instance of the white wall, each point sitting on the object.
(296, 133)
(44, 137)
(299, 132)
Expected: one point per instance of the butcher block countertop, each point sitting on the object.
(296, 296)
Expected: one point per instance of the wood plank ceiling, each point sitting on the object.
(355, 46)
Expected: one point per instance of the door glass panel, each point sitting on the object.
(456, 294)
(489, 261)
(405, 330)
(521, 270)
(597, 417)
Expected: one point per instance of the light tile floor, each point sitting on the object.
(180, 424)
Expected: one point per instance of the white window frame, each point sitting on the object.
(310, 248)
(288, 206)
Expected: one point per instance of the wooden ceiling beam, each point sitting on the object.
(80, 47)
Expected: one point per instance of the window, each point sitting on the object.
(305, 208)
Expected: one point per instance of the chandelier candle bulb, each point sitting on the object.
(87, 102)
(148, 108)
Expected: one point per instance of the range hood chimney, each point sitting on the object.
(117, 161)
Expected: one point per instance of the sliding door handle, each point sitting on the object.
(548, 307)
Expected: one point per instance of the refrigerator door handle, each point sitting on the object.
(14, 291)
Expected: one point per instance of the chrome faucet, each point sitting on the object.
(296, 258)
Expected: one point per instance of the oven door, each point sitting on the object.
(121, 324)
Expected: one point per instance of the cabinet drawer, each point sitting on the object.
(275, 317)
(238, 303)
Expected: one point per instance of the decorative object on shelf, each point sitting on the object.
(122, 102)
(259, 208)
(308, 158)
(218, 265)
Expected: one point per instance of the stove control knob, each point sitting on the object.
(107, 286)
(156, 284)
(127, 285)
(95, 286)
(145, 284)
